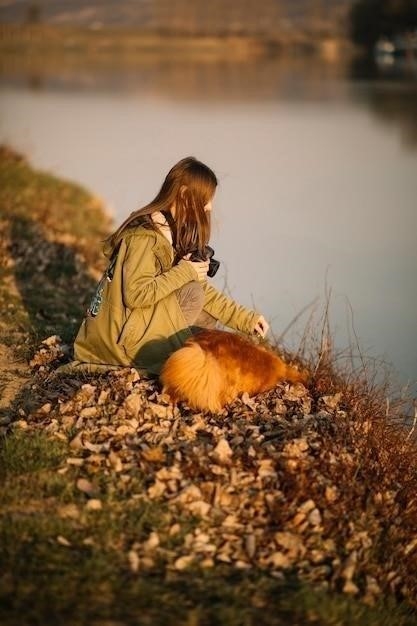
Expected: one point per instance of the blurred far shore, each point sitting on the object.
(132, 44)
(238, 30)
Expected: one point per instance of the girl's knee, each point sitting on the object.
(191, 300)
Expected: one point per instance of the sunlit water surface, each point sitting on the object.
(317, 168)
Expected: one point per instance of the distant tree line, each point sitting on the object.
(372, 19)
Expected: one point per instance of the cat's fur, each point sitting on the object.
(214, 367)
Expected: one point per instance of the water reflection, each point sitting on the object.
(398, 109)
(259, 80)
(393, 69)
(255, 77)
(388, 89)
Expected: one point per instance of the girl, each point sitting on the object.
(152, 296)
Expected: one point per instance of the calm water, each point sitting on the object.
(317, 166)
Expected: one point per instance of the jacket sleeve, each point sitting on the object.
(229, 312)
(143, 283)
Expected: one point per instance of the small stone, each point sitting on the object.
(296, 448)
(250, 402)
(75, 461)
(199, 508)
(68, 422)
(331, 402)
(88, 411)
(154, 455)
(410, 546)
(134, 561)
(53, 340)
(94, 505)
(223, 557)
(152, 542)
(103, 396)
(314, 517)
(350, 588)
(88, 389)
(298, 518)
(77, 442)
(88, 541)
(266, 468)
(291, 542)
(372, 586)
(317, 556)
(183, 562)
(250, 545)
(174, 530)
(331, 493)
(157, 489)
(63, 541)
(69, 510)
(349, 566)
(223, 453)
(147, 562)
(115, 461)
(307, 506)
(279, 560)
(85, 486)
(92, 447)
(160, 411)
(133, 403)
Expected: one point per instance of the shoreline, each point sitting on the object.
(299, 500)
(128, 43)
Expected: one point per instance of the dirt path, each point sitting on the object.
(14, 374)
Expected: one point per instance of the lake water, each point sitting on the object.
(317, 165)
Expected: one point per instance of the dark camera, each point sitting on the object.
(207, 254)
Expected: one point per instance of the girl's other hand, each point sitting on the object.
(201, 267)
(261, 326)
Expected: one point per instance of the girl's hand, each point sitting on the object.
(261, 326)
(201, 267)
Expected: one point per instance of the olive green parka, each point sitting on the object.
(135, 318)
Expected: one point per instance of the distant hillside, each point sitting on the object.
(214, 17)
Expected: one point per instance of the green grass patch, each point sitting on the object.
(51, 231)
(63, 206)
(100, 589)
(25, 453)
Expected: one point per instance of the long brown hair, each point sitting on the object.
(189, 185)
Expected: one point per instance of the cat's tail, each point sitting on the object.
(193, 375)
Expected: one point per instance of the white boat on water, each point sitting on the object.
(384, 47)
(400, 45)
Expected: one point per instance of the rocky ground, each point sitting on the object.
(292, 480)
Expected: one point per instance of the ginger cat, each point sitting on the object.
(214, 367)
